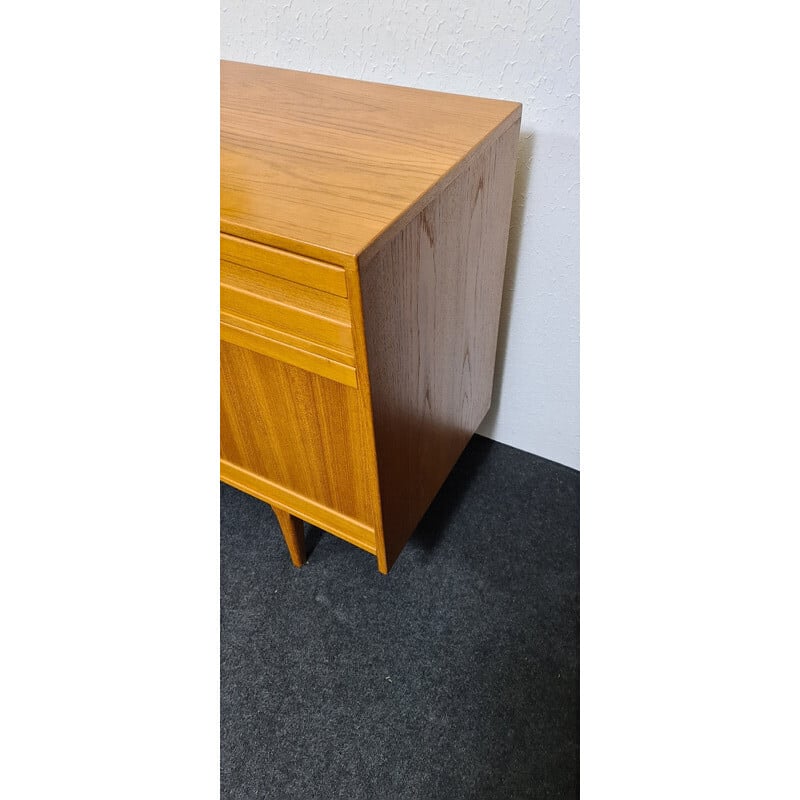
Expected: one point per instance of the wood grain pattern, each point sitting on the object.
(347, 528)
(299, 310)
(296, 430)
(293, 532)
(325, 166)
(307, 271)
(287, 320)
(431, 300)
(284, 347)
(365, 400)
(362, 251)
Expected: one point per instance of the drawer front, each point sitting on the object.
(295, 323)
(282, 264)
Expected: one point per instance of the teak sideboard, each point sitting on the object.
(363, 234)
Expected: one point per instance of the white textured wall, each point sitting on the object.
(524, 51)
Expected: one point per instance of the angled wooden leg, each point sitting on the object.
(292, 529)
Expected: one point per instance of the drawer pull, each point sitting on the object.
(282, 264)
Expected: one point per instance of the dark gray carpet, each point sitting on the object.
(455, 676)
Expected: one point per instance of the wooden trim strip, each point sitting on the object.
(282, 264)
(318, 253)
(298, 342)
(299, 310)
(282, 351)
(360, 347)
(344, 527)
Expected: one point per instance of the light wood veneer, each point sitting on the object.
(362, 249)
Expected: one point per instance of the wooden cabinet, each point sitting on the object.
(362, 251)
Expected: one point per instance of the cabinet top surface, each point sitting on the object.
(326, 166)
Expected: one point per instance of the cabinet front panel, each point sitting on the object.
(303, 436)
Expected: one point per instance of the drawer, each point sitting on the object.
(295, 323)
(282, 264)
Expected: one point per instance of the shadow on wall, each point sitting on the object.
(521, 181)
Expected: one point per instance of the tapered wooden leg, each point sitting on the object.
(292, 529)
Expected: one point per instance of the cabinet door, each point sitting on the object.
(297, 440)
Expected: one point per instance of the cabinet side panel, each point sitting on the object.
(301, 432)
(431, 305)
